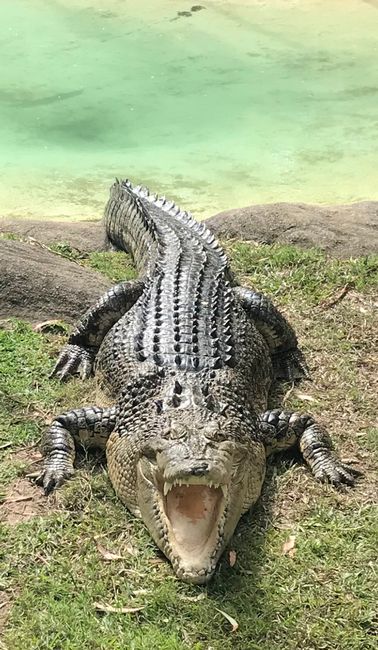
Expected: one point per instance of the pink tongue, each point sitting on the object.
(192, 511)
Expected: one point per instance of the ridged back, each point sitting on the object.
(184, 316)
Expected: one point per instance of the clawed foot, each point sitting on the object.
(332, 470)
(73, 360)
(53, 476)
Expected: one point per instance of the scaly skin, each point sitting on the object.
(187, 359)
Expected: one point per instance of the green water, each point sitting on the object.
(238, 103)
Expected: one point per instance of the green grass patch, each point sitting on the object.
(116, 266)
(321, 596)
(287, 271)
(10, 236)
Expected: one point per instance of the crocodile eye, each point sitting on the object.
(213, 431)
(176, 432)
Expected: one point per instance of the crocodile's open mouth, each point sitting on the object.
(193, 512)
(192, 516)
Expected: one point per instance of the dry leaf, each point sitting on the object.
(54, 326)
(287, 394)
(101, 607)
(193, 599)
(305, 397)
(17, 499)
(140, 592)
(108, 555)
(6, 445)
(131, 550)
(32, 474)
(232, 558)
(3, 604)
(332, 300)
(232, 621)
(288, 547)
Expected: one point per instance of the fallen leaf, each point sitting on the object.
(232, 558)
(193, 599)
(287, 394)
(332, 300)
(54, 326)
(101, 607)
(108, 555)
(6, 444)
(131, 550)
(17, 499)
(32, 475)
(288, 547)
(3, 604)
(305, 396)
(231, 620)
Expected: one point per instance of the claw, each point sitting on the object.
(338, 474)
(51, 479)
(74, 359)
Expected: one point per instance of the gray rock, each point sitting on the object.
(38, 285)
(340, 230)
(86, 236)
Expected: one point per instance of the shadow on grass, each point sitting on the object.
(233, 585)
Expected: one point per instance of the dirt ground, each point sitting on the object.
(23, 499)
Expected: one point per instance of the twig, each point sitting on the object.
(333, 300)
(17, 499)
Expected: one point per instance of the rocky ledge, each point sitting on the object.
(340, 230)
(37, 284)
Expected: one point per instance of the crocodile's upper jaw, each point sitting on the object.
(187, 520)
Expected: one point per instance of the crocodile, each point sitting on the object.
(184, 359)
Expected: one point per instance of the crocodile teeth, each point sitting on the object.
(167, 488)
(184, 482)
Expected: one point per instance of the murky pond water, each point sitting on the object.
(234, 103)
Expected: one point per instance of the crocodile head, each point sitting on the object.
(194, 484)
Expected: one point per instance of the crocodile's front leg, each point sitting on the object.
(78, 355)
(90, 426)
(288, 360)
(283, 429)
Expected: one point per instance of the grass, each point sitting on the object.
(320, 595)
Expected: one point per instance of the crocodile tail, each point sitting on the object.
(127, 221)
(173, 210)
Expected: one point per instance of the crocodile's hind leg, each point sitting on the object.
(288, 360)
(83, 344)
(89, 427)
(281, 430)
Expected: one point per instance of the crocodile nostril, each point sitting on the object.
(200, 470)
